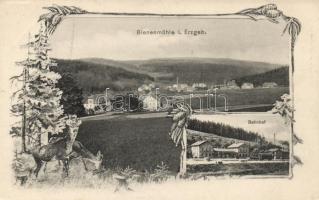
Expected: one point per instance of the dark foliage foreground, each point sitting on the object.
(141, 144)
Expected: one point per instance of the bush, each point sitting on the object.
(161, 173)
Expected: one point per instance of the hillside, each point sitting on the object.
(209, 70)
(279, 76)
(96, 74)
(222, 130)
(95, 77)
(194, 136)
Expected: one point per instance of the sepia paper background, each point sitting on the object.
(18, 17)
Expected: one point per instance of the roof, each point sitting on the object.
(265, 153)
(236, 145)
(199, 143)
(225, 150)
(273, 149)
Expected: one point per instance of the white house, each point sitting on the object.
(202, 149)
(189, 89)
(269, 85)
(199, 86)
(150, 102)
(242, 149)
(89, 103)
(144, 88)
(247, 86)
(92, 101)
(230, 85)
(182, 87)
(178, 87)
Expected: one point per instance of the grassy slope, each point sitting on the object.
(243, 97)
(138, 143)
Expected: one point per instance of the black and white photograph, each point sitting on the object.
(127, 102)
(122, 98)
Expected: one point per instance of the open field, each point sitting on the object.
(237, 98)
(139, 143)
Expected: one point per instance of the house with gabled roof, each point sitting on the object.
(96, 101)
(241, 148)
(201, 149)
(204, 148)
(269, 85)
(247, 86)
(150, 102)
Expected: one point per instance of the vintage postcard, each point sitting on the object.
(121, 101)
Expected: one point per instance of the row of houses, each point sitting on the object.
(151, 103)
(183, 87)
(100, 102)
(204, 148)
(228, 85)
(233, 85)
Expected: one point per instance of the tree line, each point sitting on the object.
(279, 76)
(224, 130)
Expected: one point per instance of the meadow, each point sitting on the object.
(141, 144)
(239, 97)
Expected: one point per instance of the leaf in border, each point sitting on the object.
(52, 9)
(296, 139)
(60, 9)
(78, 10)
(296, 161)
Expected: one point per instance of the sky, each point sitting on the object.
(274, 123)
(115, 38)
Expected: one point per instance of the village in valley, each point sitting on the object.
(150, 97)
